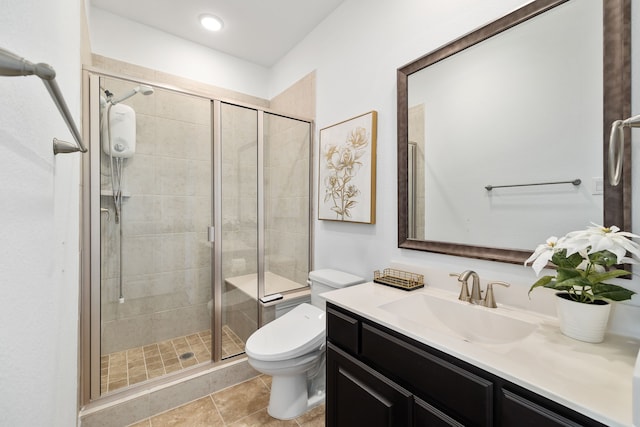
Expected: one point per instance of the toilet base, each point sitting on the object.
(290, 398)
(315, 400)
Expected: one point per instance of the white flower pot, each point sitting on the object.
(583, 322)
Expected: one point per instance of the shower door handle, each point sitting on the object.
(211, 234)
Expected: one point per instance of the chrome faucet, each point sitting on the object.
(464, 289)
(463, 277)
(475, 298)
(489, 299)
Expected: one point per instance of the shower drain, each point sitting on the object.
(185, 356)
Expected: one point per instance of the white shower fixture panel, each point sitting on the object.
(119, 133)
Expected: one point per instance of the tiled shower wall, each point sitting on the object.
(287, 225)
(166, 210)
(286, 200)
(287, 171)
(239, 191)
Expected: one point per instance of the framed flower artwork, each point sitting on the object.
(347, 171)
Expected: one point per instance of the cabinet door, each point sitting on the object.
(520, 412)
(359, 396)
(425, 415)
(455, 391)
(342, 330)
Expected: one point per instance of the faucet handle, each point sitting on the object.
(464, 289)
(489, 299)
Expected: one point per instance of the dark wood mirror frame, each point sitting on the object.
(616, 106)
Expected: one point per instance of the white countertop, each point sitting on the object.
(592, 379)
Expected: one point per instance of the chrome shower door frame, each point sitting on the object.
(90, 295)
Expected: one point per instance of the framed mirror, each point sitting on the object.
(503, 133)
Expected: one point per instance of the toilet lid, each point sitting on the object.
(294, 334)
(334, 278)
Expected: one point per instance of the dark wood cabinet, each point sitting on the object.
(519, 411)
(355, 386)
(427, 415)
(378, 377)
(463, 395)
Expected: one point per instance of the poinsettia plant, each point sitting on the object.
(585, 259)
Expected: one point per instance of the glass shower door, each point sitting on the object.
(238, 226)
(155, 209)
(264, 222)
(287, 149)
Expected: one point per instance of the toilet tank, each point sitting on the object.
(327, 280)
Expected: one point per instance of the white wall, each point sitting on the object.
(129, 41)
(39, 217)
(355, 53)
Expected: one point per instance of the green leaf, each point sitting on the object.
(543, 281)
(601, 277)
(560, 259)
(604, 258)
(567, 273)
(559, 286)
(612, 292)
(572, 282)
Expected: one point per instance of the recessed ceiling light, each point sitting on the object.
(210, 22)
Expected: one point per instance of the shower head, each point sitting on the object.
(143, 89)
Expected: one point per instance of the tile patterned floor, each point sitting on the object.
(243, 405)
(135, 365)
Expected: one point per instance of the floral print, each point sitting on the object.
(343, 163)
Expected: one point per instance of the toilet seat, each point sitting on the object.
(296, 333)
(294, 366)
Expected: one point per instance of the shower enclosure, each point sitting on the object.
(196, 208)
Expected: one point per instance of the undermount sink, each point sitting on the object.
(469, 322)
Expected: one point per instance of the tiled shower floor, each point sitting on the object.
(135, 365)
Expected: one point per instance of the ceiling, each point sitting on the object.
(259, 31)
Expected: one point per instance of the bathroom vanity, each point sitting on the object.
(389, 364)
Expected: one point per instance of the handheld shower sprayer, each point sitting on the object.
(118, 123)
(143, 89)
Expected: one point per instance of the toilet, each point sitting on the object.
(291, 349)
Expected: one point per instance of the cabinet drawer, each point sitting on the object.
(518, 411)
(359, 396)
(450, 388)
(342, 330)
